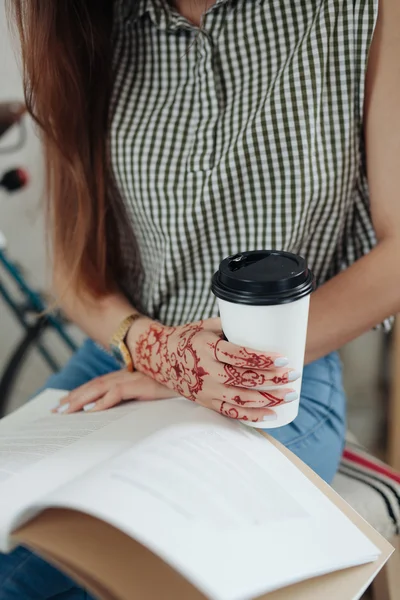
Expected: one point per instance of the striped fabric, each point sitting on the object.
(371, 487)
(245, 134)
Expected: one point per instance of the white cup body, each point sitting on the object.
(280, 328)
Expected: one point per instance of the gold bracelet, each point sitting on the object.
(118, 346)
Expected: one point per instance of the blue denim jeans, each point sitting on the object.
(316, 436)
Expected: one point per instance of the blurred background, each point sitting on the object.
(22, 225)
(21, 221)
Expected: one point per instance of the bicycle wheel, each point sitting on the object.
(40, 352)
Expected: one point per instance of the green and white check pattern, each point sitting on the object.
(246, 134)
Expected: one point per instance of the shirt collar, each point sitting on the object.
(161, 13)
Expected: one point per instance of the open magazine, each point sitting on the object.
(215, 500)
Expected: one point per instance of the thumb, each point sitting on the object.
(213, 325)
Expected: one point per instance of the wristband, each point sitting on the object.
(117, 343)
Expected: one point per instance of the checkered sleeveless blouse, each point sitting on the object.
(242, 135)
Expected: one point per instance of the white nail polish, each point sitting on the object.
(271, 417)
(63, 408)
(281, 362)
(89, 406)
(291, 397)
(293, 375)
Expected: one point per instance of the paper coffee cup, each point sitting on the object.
(263, 298)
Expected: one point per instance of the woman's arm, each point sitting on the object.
(191, 360)
(369, 291)
(99, 318)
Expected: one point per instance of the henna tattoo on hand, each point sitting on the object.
(251, 378)
(284, 378)
(231, 412)
(244, 358)
(272, 400)
(172, 362)
(238, 400)
(247, 378)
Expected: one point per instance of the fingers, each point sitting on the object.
(258, 399)
(213, 325)
(110, 390)
(89, 389)
(254, 378)
(118, 393)
(142, 388)
(237, 356)
(243, 414)
(85, 396)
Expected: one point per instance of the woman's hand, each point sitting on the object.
(196, 362)
(109, 390)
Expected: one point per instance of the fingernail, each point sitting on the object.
(63, 408)
(291, 397)
(270, 417)
(89, 406)
(281, 362)
(293, 375)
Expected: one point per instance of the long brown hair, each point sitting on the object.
(66, 56)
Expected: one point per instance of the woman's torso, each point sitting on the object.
(245, 135)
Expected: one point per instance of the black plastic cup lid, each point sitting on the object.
(263, 278)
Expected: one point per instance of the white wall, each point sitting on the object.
(20, 214)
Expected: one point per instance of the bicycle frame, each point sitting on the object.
(33, 303)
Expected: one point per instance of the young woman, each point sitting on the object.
(179, 133)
